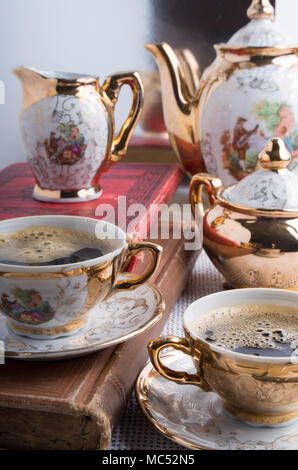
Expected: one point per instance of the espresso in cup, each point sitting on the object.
(55, 268)
(243, 345)
(257, 329)
(49, 245)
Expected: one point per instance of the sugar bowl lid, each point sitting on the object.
(273, 187)
(261, 31)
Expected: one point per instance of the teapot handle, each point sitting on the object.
(212, 185)
(112, 87)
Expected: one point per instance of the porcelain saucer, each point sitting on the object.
(195, 419)
(121, 317)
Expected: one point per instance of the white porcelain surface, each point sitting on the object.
(121, 317)
(259, 33)
(196, 419)
(65, 139)
(251, 106)
(42, 302)
(266, 189)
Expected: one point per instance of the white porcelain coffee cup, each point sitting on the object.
(54, 300)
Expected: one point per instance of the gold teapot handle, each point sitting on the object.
(155, 346)
(112, 87)
(212, 184)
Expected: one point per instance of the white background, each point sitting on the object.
(88, 36)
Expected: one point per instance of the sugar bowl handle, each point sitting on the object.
(112, 87)
(212, 184)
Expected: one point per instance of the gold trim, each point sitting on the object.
(265, 419)
(184, 110)
(214, 188)
(53, 331)
(284, 213)
(141, 391)
(247, 54)
(91, 271)
(41, 275)
(159, 312)
(58, 195)
(45, 84)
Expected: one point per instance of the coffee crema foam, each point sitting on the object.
(43, 244)
(258, 329)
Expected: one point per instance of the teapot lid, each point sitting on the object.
(272, 187)
(261, 31)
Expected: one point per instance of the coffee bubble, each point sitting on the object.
(259, 329)
(41, 245)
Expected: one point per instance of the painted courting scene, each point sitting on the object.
(68, 147)
(26, 306)
(240, 148)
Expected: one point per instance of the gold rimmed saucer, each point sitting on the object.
(196, 419)
(120, 318)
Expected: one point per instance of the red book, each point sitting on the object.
(148, 184)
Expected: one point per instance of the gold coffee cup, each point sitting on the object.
(50, 301)
(258, 390)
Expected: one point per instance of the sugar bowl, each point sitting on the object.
(251, 228)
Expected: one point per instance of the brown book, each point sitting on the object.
(75, 403)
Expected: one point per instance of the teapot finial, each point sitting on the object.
(260, 9)
(275, 156)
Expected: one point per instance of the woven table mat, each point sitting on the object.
(134, 431)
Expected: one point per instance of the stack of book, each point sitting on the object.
(75, 403)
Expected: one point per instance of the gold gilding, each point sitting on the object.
(102, 281)
(260, 9)
(257, 392)
(251, 247)
(185, 95)
(48, 331)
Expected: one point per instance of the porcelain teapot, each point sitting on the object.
(68, 130)
(251, 228)
(247, 95)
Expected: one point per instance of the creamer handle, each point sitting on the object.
(112, 87)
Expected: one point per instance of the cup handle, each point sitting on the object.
(155, 346)
(132, 250)
(112, 87)
(212, 185)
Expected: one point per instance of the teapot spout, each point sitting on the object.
(35, 86)
(175, 90)
(179, 74)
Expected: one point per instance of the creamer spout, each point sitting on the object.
(35, 86)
